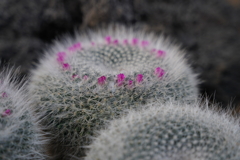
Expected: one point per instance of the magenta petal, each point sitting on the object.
(145, 43)
(139, 78)
(7, 112)
(159, 72)
(161, 53)
(115, 41)
(120, 79)
(135, 41)
(66, 66)
(61, 57)
(74, 47)
(125, 41)
(108, 39)
(77, 45)
(102, 80)
(130, 83)
(71, 48)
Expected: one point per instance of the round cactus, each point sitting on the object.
(169, 132)
(84, 81)
(19, 135)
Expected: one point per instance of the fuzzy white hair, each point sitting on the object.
(20, 136)
(169, 132)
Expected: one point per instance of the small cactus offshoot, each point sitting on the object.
(19, 135)
(169, 132)
(84, 81)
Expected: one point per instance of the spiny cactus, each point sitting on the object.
(84, 81)
(19, 136)
(169, 132)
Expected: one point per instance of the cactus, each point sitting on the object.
(169, 132)
(84, 81)
(19, 135)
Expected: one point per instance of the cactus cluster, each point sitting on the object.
(169, 132)
(82, 82)
(112, 94)
(19, 135)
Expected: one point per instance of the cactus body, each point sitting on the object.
(19, 134)
(169, 132)
(84, 81)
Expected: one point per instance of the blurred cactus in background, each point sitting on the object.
(169, 132)
(84, 81)
(19, 134)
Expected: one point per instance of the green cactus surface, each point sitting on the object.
(82, 82)
(19, 135)
(169, 132)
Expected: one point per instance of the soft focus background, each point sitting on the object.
(208, 29)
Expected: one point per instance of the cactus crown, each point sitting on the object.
(125, 59)
(169, 131)
(20, 138)
(83, 82)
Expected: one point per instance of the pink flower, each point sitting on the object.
(61, 57)
(130, 83)
(115, 41)
(102, 80)
(120, 79)
(145, 43)
(66, 66)
(7, 112)
(108, 39)
(125, 41)
(139, 78)
(161, 53)
(75, 47)
(135, 41)
(159, 72)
